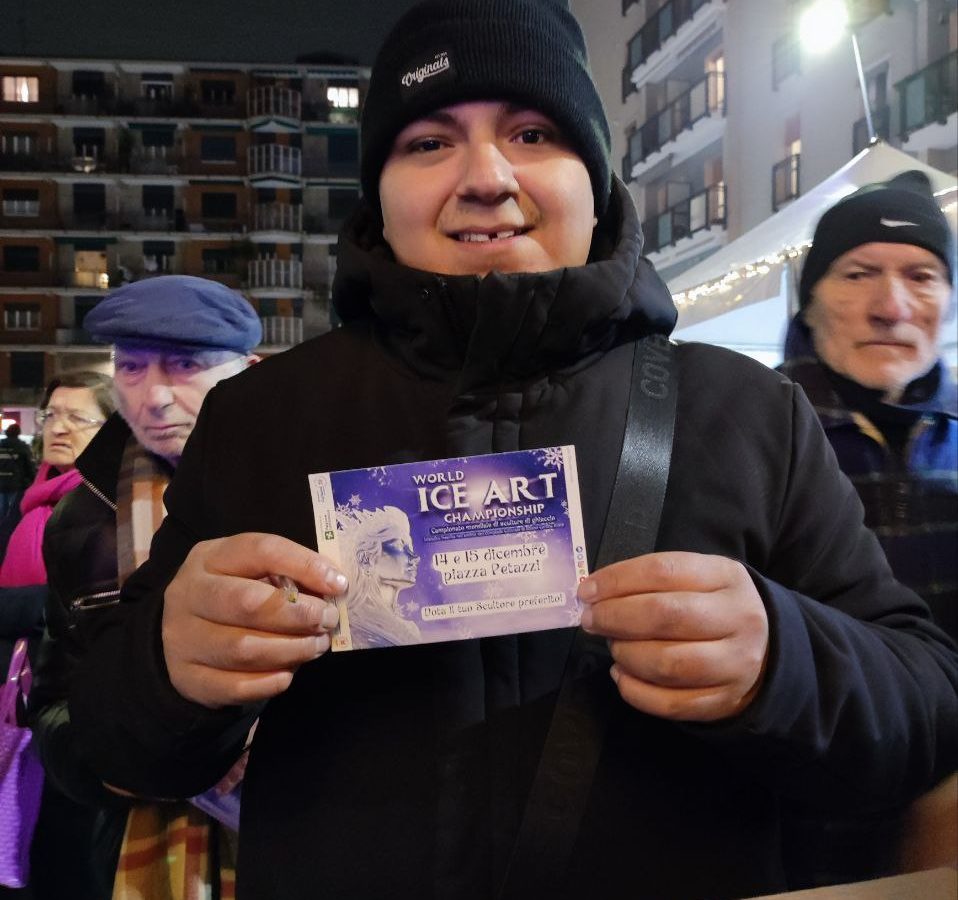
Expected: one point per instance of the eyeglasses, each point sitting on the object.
(72, 419)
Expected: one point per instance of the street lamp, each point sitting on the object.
(820, 28)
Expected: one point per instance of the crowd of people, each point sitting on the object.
(766, 702)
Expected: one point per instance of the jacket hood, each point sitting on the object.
(518, 323)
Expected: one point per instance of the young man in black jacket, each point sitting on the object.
(493, 289)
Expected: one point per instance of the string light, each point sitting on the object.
(730, 280)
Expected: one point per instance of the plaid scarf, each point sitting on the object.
(139, 506)
(171, 851)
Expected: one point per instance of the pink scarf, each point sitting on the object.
(23, 564)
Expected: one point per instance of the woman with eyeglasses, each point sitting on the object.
(73, 408)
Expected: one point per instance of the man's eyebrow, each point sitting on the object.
(437, 117)
(442, 117)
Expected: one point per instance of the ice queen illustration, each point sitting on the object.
(380, 562)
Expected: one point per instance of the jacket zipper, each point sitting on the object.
(102, 598)
(98, 493)
(79, 604)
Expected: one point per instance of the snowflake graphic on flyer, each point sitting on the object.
(551, 457)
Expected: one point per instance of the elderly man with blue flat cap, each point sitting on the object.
(174, 337)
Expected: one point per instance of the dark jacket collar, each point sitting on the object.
(504, 327)
(802, 364)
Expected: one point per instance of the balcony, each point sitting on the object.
(151, 220)
(278, 217)
(98, 280)
(70, 337)
(323, 224)
(275, 165)
(88, 104)
(275, 274)
(643, 50)
(690, 122)
(881, 121)
(155, 161)
(697, 213)
(90, 221)
(283, 331)
(29, 162)
(88, 158)
(274, 108)
(27, 279)
(786, 180)
(929, 106)
(159, 107)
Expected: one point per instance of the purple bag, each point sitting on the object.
(21, 774)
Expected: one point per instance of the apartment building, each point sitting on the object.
(116, 171)
(720, 118)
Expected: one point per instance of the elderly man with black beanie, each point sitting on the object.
(495, 298)
(876, 290)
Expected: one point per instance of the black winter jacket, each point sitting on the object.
(404, 772)
(79, 551)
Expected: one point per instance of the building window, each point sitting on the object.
(218, 149)
(17, 143)
(26, 370)
(786, 58)
(786, 176)
(81, 306)
(88, 84)
(89, 142)
(157, 137)
(217, 261)
(218, 206)
(343, 97)
(217, 93)
(343, 152)
(158, 199)
(156, 86)
(158, 256)
(21, 258)
(21, 202)
(21, 89)
(342, 202)
(21, 317)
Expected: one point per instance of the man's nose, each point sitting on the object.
(488, 176)
(893, 300)
(159, 394)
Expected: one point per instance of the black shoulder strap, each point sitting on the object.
(571, 752)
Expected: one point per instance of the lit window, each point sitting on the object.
(21, 316)
(343, 97)
(21, 89)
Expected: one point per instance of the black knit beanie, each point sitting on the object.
(900, 211)
(443, 52)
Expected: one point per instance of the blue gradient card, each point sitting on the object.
(451, 549)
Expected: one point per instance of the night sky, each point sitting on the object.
(196, 30)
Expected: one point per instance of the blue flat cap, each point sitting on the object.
(176, 310)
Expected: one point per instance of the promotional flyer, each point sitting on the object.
(451, 549)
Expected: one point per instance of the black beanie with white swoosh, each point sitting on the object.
(900, 211)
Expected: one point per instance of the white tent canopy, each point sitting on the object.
(739, 297)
